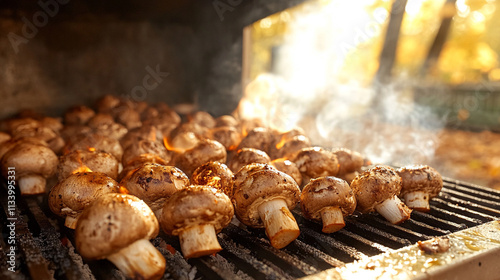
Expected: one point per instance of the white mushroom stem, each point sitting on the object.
(281, 227)
(393, 210)
(32, 184)
(139, 260)
(199, 240)
(333, 219)
(417, 200)
(70, 222)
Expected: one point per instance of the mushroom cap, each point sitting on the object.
(30, 159)
(113, 130)
(11, 143)
(289, 147)
(289, 168)
(196, 205)
(261, 186)
(97, 161)
(145, 132)
(325, 192)
(78, 115)
(112, 222)
(41, 132)
(374, 186)
(228, 136)
(420, 178)
(205, 151)
(106, 103)
(349, 161)
(4, 137)
(258, 138)
(53, 123)
(316, 162)
(143, 147)
(73, 194)
(214, 174)
(248, 169)
(154, 183)
(127, 116)
(99, 142)
(202, 118)
(246, 156)
(226, 120)
(100, 119)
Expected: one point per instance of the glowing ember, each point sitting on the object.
(91, 149)
(81, 169)
(123, 190)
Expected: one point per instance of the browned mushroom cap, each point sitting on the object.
(214, 174)
(185, 136)
(377, 189)
(33, 163)
(112, 130)
(145, 149)
(420, 184)
(100, 143)
(316, 162)
(53, 123)
(9, 144)
(258, 138)
(227, 136)
(288, 148)
(248, 125)
(127, 116)
(196, 214)
(107, 103)
(73, 194)
(248, 169)
(118, 227)
(202, 118)
(289, 168)
(226, 120)
(4, 137)
(328, 199)
(154, 183)
(100, 119)
(145, 132)
(78, 115)
(71, 133)
(263, 199)
(9, 125)
(349, 161)
(89, 160)
(205, 151)
(246, 156)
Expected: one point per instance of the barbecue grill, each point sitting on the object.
(46, 247)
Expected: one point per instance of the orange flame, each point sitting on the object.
(123, 190)
(81, 169)
(281, 143)
(91, 149)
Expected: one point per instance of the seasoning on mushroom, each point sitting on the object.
(196, 214)
(377, 189)
(89, 159)
(328, 199)
(73, 194)
(214, 174)
(420, 184)
(264, 199)
(118, 227)
(246, 156)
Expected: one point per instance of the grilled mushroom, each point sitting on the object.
(202, 118)
(420, 184)
(228, 136)
(226, 120)
(350, 163)
(289, 147)
(289, 168)
(214, 174)
(246, 156)
(205, 151)
(4, 137)
(328, 199)
(72, 195)
(258, 138)
(377, 189)
(197, 214)
(78, 115)
(118, 227)
(34, 163)
(99, 142)
(155, 183)
(89, 159)
(264, 199)
(315, 162)
(145, 149)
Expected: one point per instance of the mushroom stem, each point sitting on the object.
(32, 184)
(393, 210)
(333, 219)
(281, 227)
(139, 260)
(417, 200)
(199, 240)
(70, 222)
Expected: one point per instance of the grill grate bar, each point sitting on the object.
(313, 255)
(466, 197)
(436, 222)
(471, 205)
(424, 228)
(382, 224)
(450, 216)
(223, 268)
(376, 235)
(472, 189)
(442, 204)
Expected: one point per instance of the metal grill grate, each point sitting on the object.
(45, 245)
